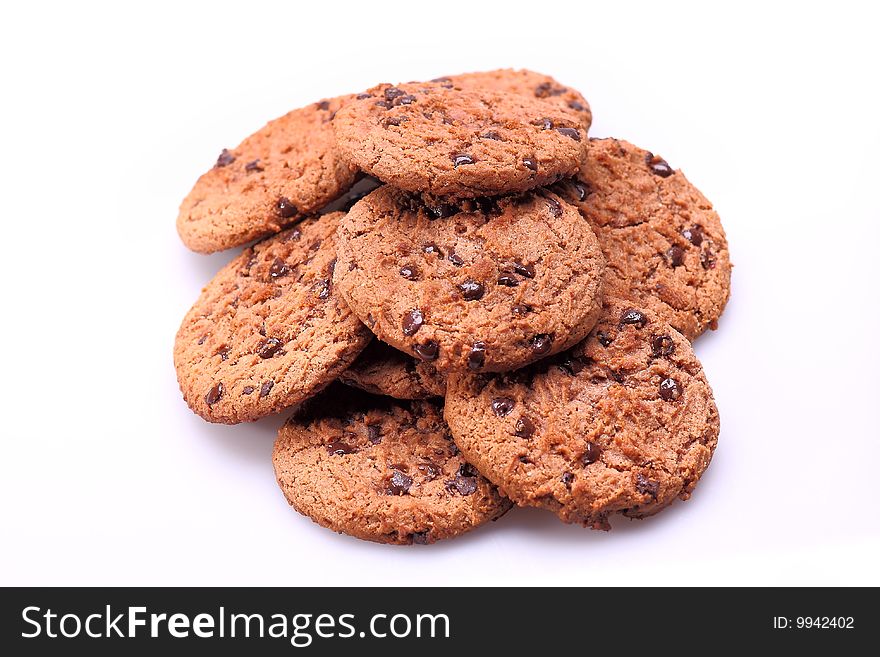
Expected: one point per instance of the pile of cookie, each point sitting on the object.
(466, 302)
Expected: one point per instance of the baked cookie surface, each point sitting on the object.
(663, 242)
(285, 171)
(526, 83)
(426, 137)
(383, 370)
(624, 422)
(380, 469)
(483, 285)
(269, 330)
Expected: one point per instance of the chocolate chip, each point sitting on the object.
(658, 165)
(459, 159)
(528, 271)
(502, 406)
(508, 280)
(374, 434)
(202, 339)
(646, 486)
(633, 317)
(455, 259)
(398, 484)
(430, 471)
(279, 268)
(471, 290)
(592, 452)
(427, 350)
(544, 123)
(363, 96)
(462, 485)
(247, 390)
(603, 338)
(662, 346)
(555, 207)
(432, 249)
(567, 478)
(675, 255)
(491, 135)
(530, 163)
(580, 189)
(214, 394)
(477, 356)
(285, 208)
(707, 259)
(467, 470)
(394, 120)
(322, 289)
(384, 103)
(546, 89)
(524, 428)
(269, 347)
(572, 133)
(443, 79)
(421, 538)
(412, 321)
(410, 272)
(577, 106)
(694, 235)
(541, 344)
(253, 165)
(266, 388)
(393, 92)
(223, 352)
(339, 448)
(521, 309)
(225, 159)
(323, 105)
(670, 389)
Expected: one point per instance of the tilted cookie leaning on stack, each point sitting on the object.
(506, 303)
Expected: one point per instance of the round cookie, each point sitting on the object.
(426, 137)
(525, 83)
(624, 422)
(380, 470)
(383, 370)
(281, 173)
(664, 244)
(269, 330)
(483, 285)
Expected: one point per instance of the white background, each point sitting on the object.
(110, 113)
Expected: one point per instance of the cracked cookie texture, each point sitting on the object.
(269, 330)
(624, 422)
(380, 469)
(663, 242)
(285, 171)
(480, 285)
(428, 137)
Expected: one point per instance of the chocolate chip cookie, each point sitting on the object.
(525, 83)
(383, 370)
(662, 239)
(431, 138)
(283, 172)
(380, 469)
(480, 285)
(624, 422)
(269, 330)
